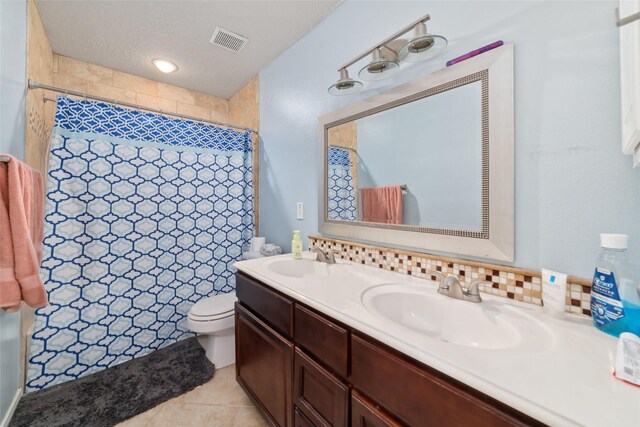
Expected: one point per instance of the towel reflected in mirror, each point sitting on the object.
(382, 204)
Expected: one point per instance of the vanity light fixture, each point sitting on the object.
(422, 46)
(345, 85)
(380, 67)
(164, 66)
(386, 56)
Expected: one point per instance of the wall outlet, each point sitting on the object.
(300, 210)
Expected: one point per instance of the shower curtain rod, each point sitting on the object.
(36, 85)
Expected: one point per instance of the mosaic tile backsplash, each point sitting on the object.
(509, 282)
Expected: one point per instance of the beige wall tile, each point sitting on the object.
(157, 103)
(84, 70)
(194, 110)
(217, 116)
(210, 102)
(135, 83)
(111, 92)
(40, 69)
(70, 82)
(244, 106)
(175, 93)
(40, 55)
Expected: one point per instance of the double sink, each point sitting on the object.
(418, 310)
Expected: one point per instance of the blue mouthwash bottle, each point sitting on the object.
(615, 296)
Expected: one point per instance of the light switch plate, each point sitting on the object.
(300, 210)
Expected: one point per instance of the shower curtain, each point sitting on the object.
(145, 215)
(341, 194)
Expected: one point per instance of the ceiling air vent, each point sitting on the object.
(228, 40)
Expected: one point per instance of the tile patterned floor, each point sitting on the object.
(218, 403)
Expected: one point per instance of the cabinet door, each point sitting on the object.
(366, 414)
(264, 365)
(322, 338)
(420, 396)
(320, 395)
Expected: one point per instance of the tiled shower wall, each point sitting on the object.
(45, 66)
(509, 282)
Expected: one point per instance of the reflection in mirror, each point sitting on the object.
(341, 185)
(418, 163)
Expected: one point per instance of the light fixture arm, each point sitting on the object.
(384, 42)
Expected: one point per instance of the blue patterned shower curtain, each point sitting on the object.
(145, 215)
(341, 194)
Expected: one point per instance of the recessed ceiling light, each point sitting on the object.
(164, 65)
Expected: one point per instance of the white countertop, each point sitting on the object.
(566, 383)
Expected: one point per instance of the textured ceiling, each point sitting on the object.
(127, 35)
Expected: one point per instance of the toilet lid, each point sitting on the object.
(215, 306)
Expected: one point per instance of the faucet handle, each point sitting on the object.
(331, 256)
(474, 290)
(438, 274)
(443, 287)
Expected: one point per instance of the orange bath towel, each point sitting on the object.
(382, 204)
(21, 234)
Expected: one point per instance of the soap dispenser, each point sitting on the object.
(296, 245)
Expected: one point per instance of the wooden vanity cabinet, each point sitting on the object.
(299, 420)
(275, 309)
(365, 413)
(305, 369)
(264, 365)
(322, 397)
(326, 340)
(421, 396)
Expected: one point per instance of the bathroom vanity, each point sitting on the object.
(304, 368)
(311, 350)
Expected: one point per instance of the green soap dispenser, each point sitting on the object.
(296, 245)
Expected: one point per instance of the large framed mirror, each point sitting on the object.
(427, 165)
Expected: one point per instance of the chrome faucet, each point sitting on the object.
(451, 287)
(322, 256)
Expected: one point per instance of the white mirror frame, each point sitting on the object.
(498, 243)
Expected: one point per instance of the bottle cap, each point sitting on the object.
(614, 241)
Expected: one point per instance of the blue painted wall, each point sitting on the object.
(438, 157)
(13, 72)
(572, 181)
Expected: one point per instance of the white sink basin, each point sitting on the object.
(489, 325)
(305, 268)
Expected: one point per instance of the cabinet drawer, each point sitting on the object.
(264, 363)
(299, 420)
(365, 413)
(319, 395)
(272, 307)
(420, 398)
(323, 338)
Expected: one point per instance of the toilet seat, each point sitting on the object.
(211, 317)
(213, 308)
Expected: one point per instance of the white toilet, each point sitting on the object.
(213, 317)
